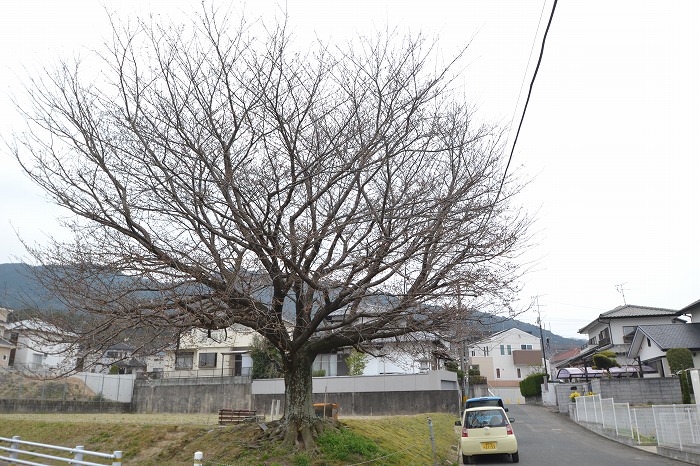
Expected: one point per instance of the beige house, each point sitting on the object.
(505, 359)
(204, 353)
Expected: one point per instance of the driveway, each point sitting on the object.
(549, 438)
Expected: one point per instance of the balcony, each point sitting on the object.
(527, 357)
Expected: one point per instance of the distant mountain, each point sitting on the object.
(20, 290)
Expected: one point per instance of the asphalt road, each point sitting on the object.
(546, 438)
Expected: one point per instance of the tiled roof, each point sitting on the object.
(565, 355)
(630, 310)
(691, 307)
(668, 336)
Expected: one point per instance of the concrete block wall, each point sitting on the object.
(658, 391)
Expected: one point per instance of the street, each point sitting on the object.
(546, 438)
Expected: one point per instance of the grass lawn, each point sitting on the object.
(172, 439)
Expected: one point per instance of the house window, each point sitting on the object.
(628, 333)
(510, 350)
(112, 354)
(322, 363)
(525, 346)
(207, 359)
(37, 360)
(473, 353)
(503, 350)
(486, 350)
(648, 342)
(184, 360)
(498, 373)
(519, 373)
(237, 364)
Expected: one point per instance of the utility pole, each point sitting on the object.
(539, 323)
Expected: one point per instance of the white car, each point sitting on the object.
(486, 431)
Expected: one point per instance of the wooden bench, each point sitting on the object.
(236, 416)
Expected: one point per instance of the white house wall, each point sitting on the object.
(41, 357)
(234, 337)
(616, 325)
(488, 365)
(393, 362)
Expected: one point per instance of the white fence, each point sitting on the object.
(674, 426)
(113, 387)
(16, 454)
(677, 426)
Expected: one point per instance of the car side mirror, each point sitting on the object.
(505, 409)
(458, 423)
(511, 419)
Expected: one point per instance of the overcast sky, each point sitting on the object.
(608, 139)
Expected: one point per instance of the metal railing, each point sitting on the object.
(18, 455)
(673, 426)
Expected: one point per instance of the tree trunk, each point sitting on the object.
(299, 418)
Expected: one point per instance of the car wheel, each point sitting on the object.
(515, 457)
(466, 459)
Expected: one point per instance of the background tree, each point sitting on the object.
(680, 359)
(324, 199)
(267, 362)
(356, 362)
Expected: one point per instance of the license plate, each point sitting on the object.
(488, 445)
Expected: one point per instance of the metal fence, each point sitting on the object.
(674, 426)
(677, 426)
(23, 452)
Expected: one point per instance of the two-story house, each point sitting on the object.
(6, 347)
(505, 359)
(40, 348)
(614, 331)
(651, 342)
(202, 353)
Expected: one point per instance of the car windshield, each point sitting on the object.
(484, 418)
(474, 404)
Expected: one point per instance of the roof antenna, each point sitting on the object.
(621, 289)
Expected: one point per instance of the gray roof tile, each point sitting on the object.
(668, 336)
(629, 310)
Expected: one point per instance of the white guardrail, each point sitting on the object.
(18, 455)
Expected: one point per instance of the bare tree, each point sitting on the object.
(324, 199)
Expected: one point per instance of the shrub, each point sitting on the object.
(532, 384)
(680, 359)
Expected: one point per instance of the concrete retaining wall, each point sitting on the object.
(59, 406)
(377, 403)
(436, 391)
(191, 395)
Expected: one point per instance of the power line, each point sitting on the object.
(527, 100)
